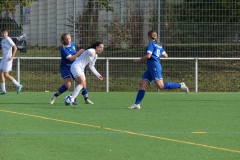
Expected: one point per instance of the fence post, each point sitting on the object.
(107, 74)
(196, 75)
(18, 70)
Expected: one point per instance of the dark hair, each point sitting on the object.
(4, 30)
(94, 45)
(62, 38)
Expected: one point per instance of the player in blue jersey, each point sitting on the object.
(68, 56)
(153, 73)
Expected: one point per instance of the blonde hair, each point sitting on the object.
(153, 35)
(63, 38)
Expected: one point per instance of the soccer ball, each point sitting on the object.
(68, 100)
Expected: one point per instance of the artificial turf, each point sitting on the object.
(170, 125)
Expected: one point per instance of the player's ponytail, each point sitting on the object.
(153, 35)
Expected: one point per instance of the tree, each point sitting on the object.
(126, 31)
(9, 5)
(87, 21)
(202, 22)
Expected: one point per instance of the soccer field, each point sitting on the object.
(168, 126)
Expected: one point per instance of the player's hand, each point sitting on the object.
(82, 50)
(9, 59)
(100, 77)
(135, 61)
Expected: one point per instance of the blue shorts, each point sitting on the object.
(65, 72)
(153, 73)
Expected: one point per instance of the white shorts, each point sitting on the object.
(77, 71)
(6, 65)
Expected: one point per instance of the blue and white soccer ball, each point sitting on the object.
(68, 100)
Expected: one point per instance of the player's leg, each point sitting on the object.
(7, 67)
(167, 85)
(80, 85)
(146, 80)
(159, 84)
(67, 84)
(85, 95)
(140, 94)
(173, 85)
(2, 80)
(67, 78)
(158, 80)
(16, 83)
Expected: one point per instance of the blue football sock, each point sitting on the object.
(61, 90)
(171, 85)
(85, 94)
(140, 96)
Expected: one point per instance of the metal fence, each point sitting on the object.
(187, 29)
(123, 24)
(200, 74)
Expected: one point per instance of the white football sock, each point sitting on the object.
(3, 86)
(76, 91)
(15, 82)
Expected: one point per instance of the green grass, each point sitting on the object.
(168, 126)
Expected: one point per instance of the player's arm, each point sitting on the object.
(13, 53)
(80, 52)
(93, 69)
(164, 54)
(73, 57)
(144, 58)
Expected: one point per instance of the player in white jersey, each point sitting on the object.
(6, 63)
(77, 68)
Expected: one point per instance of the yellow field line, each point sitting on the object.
(199, 132)
(128, 132)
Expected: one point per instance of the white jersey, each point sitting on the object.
(87, 57)
(7, 45)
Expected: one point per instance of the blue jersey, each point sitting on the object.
(156, 49)
(154, 68)
(66, 52)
